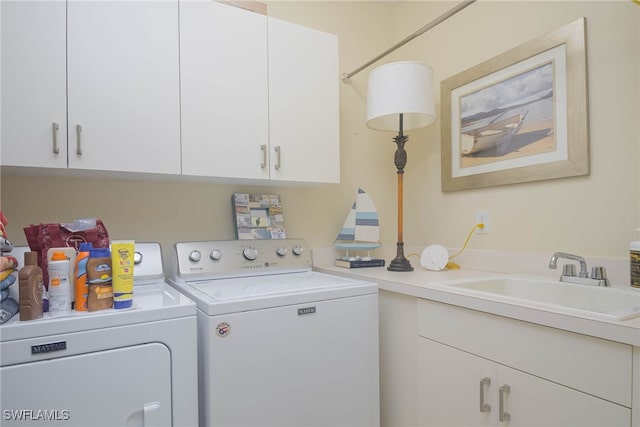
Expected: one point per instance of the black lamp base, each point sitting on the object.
(400, 263)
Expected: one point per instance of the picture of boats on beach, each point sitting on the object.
(509, 119)
(520, 116)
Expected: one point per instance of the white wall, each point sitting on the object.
(592, 216)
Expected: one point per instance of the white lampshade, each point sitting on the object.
(400, 87)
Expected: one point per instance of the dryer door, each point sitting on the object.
(125, 386)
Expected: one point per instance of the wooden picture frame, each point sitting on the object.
(520, 116)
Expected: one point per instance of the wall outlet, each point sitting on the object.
(483, 217)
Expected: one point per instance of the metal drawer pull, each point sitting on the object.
(277, 164)
(485, 382)
(78, 140)
(54, 131)
(263, 151)
(503, 415)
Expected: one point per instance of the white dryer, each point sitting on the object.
(108, 368)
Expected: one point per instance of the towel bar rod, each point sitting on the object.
(347, 76)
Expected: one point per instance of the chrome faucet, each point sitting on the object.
(583, 263)
(598, 274)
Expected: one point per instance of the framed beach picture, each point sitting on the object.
(519, 117)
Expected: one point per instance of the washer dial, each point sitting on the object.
(194, 255)
(250, 253)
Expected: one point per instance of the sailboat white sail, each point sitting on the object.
(361, 229)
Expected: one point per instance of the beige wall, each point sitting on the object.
(593, 216)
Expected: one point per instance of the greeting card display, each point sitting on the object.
(258, 216)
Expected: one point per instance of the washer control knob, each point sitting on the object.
(215, 255)
(281, 251)
(250, 253)
(194, 255)
(297, 250)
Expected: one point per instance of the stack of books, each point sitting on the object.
(358, 262)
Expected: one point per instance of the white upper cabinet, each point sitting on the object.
(105, 71)
(191, 87)
(303, 104)
(223, 76)
(259, 96)
(124, 85)
(34, 91)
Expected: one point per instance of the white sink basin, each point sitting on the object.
(612, 303)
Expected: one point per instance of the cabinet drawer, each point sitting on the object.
(599, 367)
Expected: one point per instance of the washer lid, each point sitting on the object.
(249, 293)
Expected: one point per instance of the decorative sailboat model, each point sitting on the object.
(360, 231)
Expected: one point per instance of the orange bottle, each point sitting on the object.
(80, 275)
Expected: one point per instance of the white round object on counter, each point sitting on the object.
(434, 257)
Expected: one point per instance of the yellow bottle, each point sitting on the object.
(122, 254)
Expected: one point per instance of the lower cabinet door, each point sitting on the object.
(456, 388)
(119, 387)
(533, 401)
(453, 385)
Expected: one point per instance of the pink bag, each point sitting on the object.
(42, 237)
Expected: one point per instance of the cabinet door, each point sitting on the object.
(451, 390)
(124, 386)
(452, 386)
(123, 86)
(223, 75)
(303, 104)
(34, 83)
(533, 401)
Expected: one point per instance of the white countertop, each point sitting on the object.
(432, 285)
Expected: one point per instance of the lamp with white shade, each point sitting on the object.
(400, 97)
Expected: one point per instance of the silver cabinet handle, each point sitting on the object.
(263, 151)
(485, 382)
(54, 131)
(503, 415)
(78, 140)
(277, 150)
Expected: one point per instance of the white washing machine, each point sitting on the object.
(107, 368)
(280, 344)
